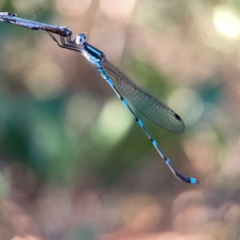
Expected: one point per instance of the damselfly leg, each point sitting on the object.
(71, 45)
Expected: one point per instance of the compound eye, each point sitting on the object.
(81, 39)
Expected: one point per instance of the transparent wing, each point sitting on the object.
(148, 105)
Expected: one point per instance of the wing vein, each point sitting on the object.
(148, 105)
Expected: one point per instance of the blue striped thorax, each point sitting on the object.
(95, 56)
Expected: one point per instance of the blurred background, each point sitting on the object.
(73, 162)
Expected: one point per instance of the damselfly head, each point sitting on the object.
(81, 39)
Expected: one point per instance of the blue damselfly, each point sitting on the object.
(148, 105)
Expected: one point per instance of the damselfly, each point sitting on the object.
(148, 105)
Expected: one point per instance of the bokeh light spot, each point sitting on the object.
(81, 112)
(4, 179)
(226, 21)
(73, 8)
(199, 148)
(112, 124)
(187, 205)
(45, 81)
(25, 6)
(188, 103)
(23, 179)
(117, 10)
(141, 213)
